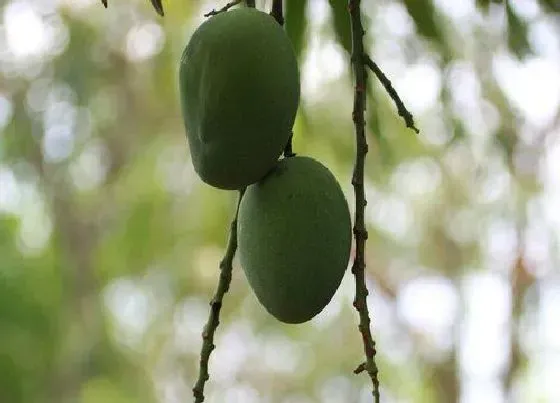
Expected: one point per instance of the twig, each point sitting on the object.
(360, 232)
(226, 266)
(406, 115)
(223, 9)
(158, 6)
(156, 3)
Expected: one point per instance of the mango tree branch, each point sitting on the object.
(226, 267)
(403, 112)
(223, 9)
(360, 232)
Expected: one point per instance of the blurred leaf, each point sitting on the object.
(103, 389)
(17, 139)
(341, 22)
(551, 5)
(27, 334)
(484, 5)
(380, 147)
(423, 14)
(78, 71)
(507, 141)
(138, 239)
(517, 34)
(296, 24)
(459, 132)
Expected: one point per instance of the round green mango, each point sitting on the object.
(294, 238)
(239, 90)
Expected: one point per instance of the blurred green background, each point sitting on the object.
(110, 245)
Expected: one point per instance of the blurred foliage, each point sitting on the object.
(110, 244)
(296, 24)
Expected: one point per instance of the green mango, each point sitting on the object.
(240, 89)
(294, 238)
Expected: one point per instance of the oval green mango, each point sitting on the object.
(239, 89)
(294, 238)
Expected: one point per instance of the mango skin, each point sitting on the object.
(294, 238)
(239, 88)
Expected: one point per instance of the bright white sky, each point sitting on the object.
(427, 304)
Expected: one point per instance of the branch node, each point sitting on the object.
(361, 368)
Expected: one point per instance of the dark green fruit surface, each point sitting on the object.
(294, 234)
(239, 88)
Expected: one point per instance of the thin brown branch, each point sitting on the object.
(156, 3)
(223, 9)
(360, 232)
(226, 267)
(403, 112)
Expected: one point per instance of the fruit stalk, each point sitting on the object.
(277, 12)
(226, 267)
(360, 232)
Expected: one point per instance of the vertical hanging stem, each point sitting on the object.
(226, 267)
(360, 232)
(277, 12)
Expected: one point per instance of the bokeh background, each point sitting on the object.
(110, 244)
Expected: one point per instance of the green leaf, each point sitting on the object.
(517, 34)
(341, 22)
(484, 5)
(423, 14)
(296, 24)
(552, 6)
(379, 146)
